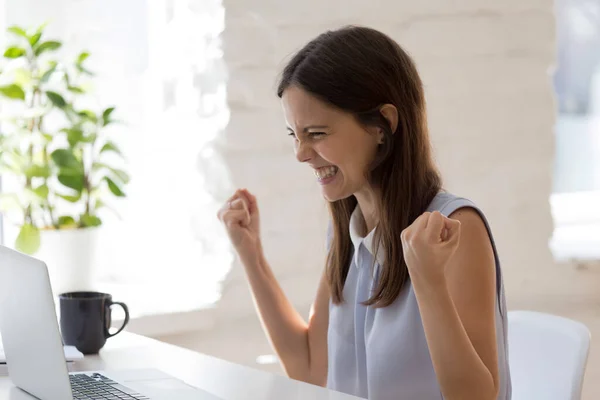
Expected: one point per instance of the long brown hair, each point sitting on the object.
(358, 70)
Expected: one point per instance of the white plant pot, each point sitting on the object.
(69, 255)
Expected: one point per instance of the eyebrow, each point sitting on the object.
(307, 128)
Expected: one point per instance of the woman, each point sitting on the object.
(411, 303)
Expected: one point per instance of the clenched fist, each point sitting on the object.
(428, 245)
(241, 219)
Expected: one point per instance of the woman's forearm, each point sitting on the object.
(460, 371)
(288, 332)
(285, 328)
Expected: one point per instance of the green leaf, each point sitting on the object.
(56, 99)
(68, 163)
(106, 116)
(46, 76)
(110, 146)
(114, 188)
(23, 77)
(42, 191)
(121, 175)
(14, 52)
(47, 46)
(9, 202)
(39, 171)
(28, 240)
(74, 136)
(12, 92)
(70, 199)
(42, 27)
(83, 70)
(18, 31)
(91, 138)
(65, 158)
(47, 136)
(75, 89)
(66, 220)
(71, 114)
(82, 57)
(71, 181)
(35, 38)
(90, 220)
(88, 115)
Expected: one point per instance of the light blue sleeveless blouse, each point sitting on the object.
(382, 353)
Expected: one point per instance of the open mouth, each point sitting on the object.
(326, 173)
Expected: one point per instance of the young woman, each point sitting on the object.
(411, 303)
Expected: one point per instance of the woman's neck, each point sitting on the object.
(367, 201)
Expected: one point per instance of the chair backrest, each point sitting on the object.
(547, 356)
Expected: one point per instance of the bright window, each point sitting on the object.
(160, 63)
(576, 196)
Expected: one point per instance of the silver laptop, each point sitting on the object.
(34, 350)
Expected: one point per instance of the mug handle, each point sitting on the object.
(125, 322)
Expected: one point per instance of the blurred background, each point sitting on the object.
(513, 94)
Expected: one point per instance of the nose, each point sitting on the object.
(304, 152)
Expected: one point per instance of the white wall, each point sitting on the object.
(485, 65)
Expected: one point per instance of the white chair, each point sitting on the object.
(547, 356)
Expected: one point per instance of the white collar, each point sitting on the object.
(356, 225)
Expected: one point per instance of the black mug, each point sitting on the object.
(85, 319)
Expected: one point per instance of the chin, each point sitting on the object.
(333, 197)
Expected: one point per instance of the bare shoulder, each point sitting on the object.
(473, 228)
(469, 218)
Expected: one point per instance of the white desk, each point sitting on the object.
(222, 378)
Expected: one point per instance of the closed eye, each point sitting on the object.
(309, 134)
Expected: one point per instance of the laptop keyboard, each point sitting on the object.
(98, 387)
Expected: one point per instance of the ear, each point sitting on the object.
(390, 112)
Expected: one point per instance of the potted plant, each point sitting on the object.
(56, 156)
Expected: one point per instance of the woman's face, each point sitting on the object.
(331, 142)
